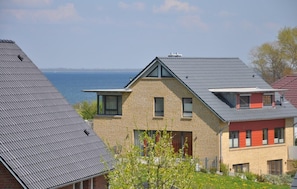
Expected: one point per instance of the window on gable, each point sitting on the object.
(244, 101)
(265, 136)
(110, 105)
(154, 72)
(187, 107)
(267, 100)
(159, 106)
(159, 71)
(279, 135)
(165, 73)
(233, 139)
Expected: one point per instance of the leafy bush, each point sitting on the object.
(250, 176)
(279, 179)
(213, 170)
(224, 169)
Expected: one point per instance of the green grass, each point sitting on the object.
(213, 181)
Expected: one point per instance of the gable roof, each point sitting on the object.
(288, 82)
(201, 75)
(43, 141)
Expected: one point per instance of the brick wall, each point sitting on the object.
(138, 113)
(257, 156)
(7, 181)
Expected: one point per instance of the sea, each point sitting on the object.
(72, 83)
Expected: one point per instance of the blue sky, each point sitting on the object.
(130, 34)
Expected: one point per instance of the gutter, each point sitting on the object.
(81, 179)
(221, 133)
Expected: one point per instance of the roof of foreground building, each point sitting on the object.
(44, 143)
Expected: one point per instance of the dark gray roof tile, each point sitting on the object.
(42, 137)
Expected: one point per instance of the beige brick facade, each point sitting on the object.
(138, 113)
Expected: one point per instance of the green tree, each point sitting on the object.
(87, 110)
(276, 59)
(161, 167)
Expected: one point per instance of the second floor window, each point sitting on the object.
(187, 107)
(244, 101)
(110, 105)
(248, 138)
(159, 106)
(279, 135)
(265, 136)
(267, 100)
(233, 139)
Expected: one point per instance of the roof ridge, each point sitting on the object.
(183, 57)
(6, 41)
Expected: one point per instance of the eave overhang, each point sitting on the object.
(108, 90)
(245, 90)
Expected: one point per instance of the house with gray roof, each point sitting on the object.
(217, 109)
(44, 143)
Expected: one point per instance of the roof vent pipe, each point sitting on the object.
(175, 55)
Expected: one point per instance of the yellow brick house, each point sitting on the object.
(218, 106)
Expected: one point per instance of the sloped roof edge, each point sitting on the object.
(13, 173)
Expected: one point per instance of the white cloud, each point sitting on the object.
(193, 22)
(175, 5)
(132, 6)
(62, 13)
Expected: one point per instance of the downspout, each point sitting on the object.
(220, 149)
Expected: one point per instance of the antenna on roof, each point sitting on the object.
(175, 55)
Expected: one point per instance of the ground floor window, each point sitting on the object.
(179, 140)
(275, 167)
(240, 168)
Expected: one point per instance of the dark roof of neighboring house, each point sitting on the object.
(288, 82)
(200, 75)
(44, 143)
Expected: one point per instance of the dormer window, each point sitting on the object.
(244, 101)
(267, 99)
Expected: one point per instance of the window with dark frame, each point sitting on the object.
(233, 139)
(279, 136)
(109, 105)
(241, 168)
(165, 73)
(265, 136)
(159, 106)
(267, 100)
(244, 101)
(187, 107)
(248, 138)
(275, 167)
(153, 73)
